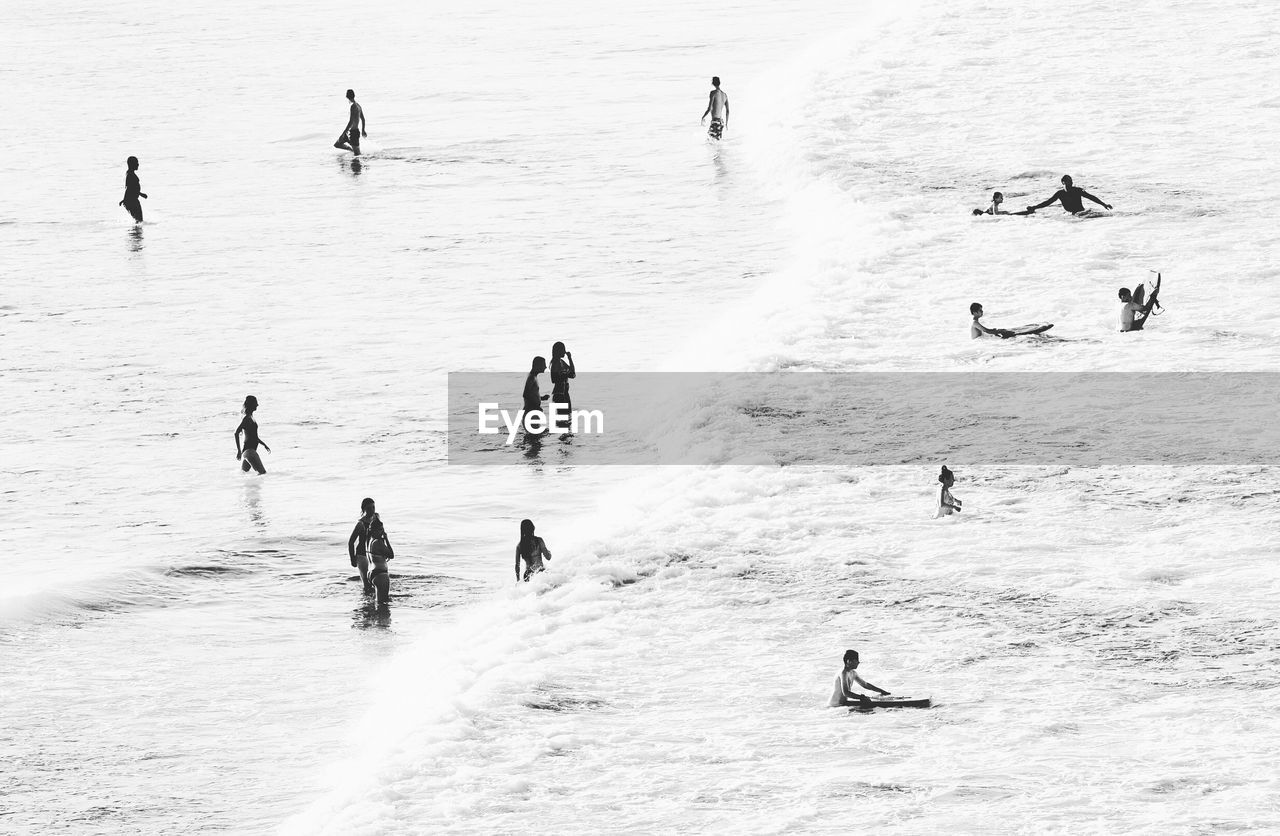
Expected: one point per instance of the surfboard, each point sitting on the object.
(1034, 328)
(895, 702)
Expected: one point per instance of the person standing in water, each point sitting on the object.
(848, 681)
(349, 139)
(718, 107)
(1069, 195)
(369, 541)
(249, 457)
(133, 190)
(562, 371)
(533, 396)
(532, 550)
(947, 504)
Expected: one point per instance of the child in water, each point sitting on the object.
(532, 550)
(947, 504)
(848, 680)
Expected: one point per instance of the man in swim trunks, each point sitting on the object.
(1069, 196)
(848, 680)
(1133, 317)
(977, 329)
(718, 107)
(350, 138)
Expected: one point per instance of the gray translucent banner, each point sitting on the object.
(1085, 419)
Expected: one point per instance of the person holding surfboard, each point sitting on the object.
(1135, 309)
(718, 107)
(848, 681)
(349, 139)
(947, 504)
(1069, 195)
(133, 190)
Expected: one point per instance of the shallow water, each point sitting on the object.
(183, 649)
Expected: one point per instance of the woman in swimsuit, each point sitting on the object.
(947, 504)
(249, 457)
(380, 552)
(562, 371)
(532, 550)
(369, 540)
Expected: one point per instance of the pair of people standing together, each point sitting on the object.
(562, 371)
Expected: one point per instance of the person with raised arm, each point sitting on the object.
(562, 371)
(1134, 311)
(1069, 196)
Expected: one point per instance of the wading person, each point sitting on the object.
(133, 190)
(349, 139)
(249, 456)
(562, 371)
(532, 550)
(718, 107)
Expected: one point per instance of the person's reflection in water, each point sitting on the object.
(251, 496)
(350, 164)
(370, 616)
(135, 238)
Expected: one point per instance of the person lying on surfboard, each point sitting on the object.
(1136, 311)
(848, 681)
(994, 208)
(1069, 196)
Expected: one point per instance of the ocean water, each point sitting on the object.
(182, 648)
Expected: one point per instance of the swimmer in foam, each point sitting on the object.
(532, 550)
(1134, 312)
(249, 456)
(1069, 196)
(369, 542)
(947, 504)
(848, 683)
(133, 190)
(718, 107)
(349, 139)
(977, 329)
(994, 208)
